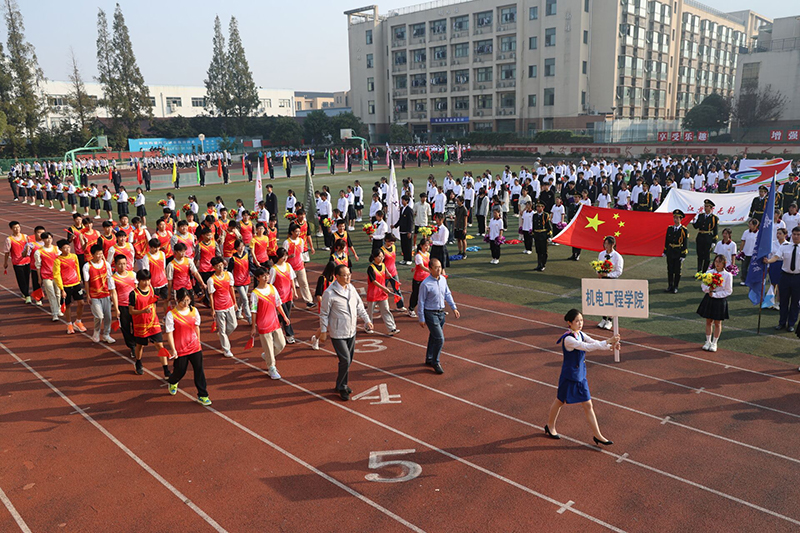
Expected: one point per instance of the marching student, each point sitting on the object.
(748, 247)
(107, 237)
(139, 204)
(88, 237)
(230, 236)
(675, 250)
(180, 271)
(421, 271)
(323, 282)
(422, 213)
(186, 237)
(573, 386)
(98, 284)
(439, 240)
(139, 238)
(294, 246)
(495, 232)
(714, 306)
(239, 267)
(381, 229)
(146, 329)
(282, 276)
(67, 277)
(44, 259)
(267, 306)
(164, 238)
(341, 235)
(122, 202)
(121, 247)
(155, 262)
(182, 326)
(223, 303)
(14, 247)
(124, 283)
(94, 201)
(609, 253)
(260, 246)
(542, 231)
(378, 292)
(390, 260)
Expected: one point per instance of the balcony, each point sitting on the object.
(459, 61)
(399, 92)
(419, 90)
(418, 39)
(435, 37)
(398, 43)
(400, 115)
(482, 85)
(439, 63)
(504, 84)
(439, 88)
(420, 115)
(506, 111)
(399, 68)
(507, 27)
(459, 34)
(417, 66)
(439, 114)
(482, 112)
(501, 56)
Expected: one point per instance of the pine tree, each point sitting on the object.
(28, 109)
(218, 95)
(82, 106)
(105, 71)
(6, 97)
(244, 94)
(134, 95)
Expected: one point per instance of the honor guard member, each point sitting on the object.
(759, 204)
(789, 191)
(645, 200)
(542, 231)
(707, 226)
(725, 183)
(675, 250)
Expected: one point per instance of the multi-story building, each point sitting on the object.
(167, 101)
(307, 100)
(452, 66)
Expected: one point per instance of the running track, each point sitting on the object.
(703, 442)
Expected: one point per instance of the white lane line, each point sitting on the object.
(701, 389)
(77, 411)
(202, 514)
(14, 513)
(428, 445)
(666, 419)
(566, 507)
(622, 457)
(247, 430)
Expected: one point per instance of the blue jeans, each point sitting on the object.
(435, 322)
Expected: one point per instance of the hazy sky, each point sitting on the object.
(297, 45)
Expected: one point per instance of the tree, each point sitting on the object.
(317, 127)
(712, 114)
(27, 78)
(243, 91)
(7, 104)
(286, 132)
(399, 134)
(82, 106)
(218, 96)
(754, 106)
(134, 94)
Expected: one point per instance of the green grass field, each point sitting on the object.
(513, 280)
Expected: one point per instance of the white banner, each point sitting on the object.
(258, 193)
(755, 172)
(392, 202)
(730, 208)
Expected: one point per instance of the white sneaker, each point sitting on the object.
(55, 318)
(273, 373)
(314, 342)
(412, 314)
(228, 354)
(96, 337)
(707, 345)
(108, 339)
(60, 314)
(290, 340)
(62, 210)
(609, 325)
(712, 347)
(38, 302)
(394, 332)
(602, 324)
(97, 217)
(239, 315)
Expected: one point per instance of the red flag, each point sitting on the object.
(266, 164)
(38, 294)
(242, 165)
(219, 168)
(139, 172)
(115, 325)
(636, 232)
(163, 352)
(250, 342)
(63, 308)
(214, 327)
(428, 151)
(109, 174)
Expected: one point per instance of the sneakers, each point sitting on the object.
(712, 347)
(742, 283)
(139, 369)
(228, 354)
(239, 315)
(273, 373)
(79, 326)
(394, 332)
(314, 342)
(62, 210)
(707, 345)
(108, 339)
(55, 318)
(602, 324)
(609, 324)
(412, 314)
(290, 340)
(38, 302)
(28, 300)
(204, 400)
(70, 329)
(173, 389)
(96, 337)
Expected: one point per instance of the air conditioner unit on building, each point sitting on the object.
(479, 113)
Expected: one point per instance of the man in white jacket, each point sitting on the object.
(341, 306)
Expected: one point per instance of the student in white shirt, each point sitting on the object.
(495, 232)
(714, 307)
(686, 182)
(623, 197)
(617, 262)
(792, 218)
(748, 246)
(726, 247)
(381, 228)
(558, 212)
(604, 199)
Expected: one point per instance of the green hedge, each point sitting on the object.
(548, 136)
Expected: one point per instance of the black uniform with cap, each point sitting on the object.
(675, 250)
(707, 226)
(542, 230)
(759, 205)
(789, 192)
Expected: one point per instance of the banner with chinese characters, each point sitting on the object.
(730, 208)
(682, 136)
(627, 298)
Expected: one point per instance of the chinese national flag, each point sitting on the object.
(139, 173)
(637, 232)
(110, 171)
(219, 168)
(243, 166)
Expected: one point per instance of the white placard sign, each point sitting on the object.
(615, 298)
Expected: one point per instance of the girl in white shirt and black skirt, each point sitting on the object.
(714, 306)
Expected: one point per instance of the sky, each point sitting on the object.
(300, 46)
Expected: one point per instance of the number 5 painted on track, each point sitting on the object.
(412, 470)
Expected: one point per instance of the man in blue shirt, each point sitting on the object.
(433, 293)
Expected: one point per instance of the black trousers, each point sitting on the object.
(376, 245)
(287, 328)
(481, 224)
(414, 295)
(527, 237)
(345, 350)
(495, 249)
(179, 370)
(394, 285)
(789, 292)
(126, 326)
(540, 239)
(576, 252)
(704, 243)
(23, 275)
(35, 285)
(468, 205)
(440, 253)
(673, 269)
(405, 246)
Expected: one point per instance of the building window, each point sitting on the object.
(584, 67)
(533, 13)
(549, 67)
(508, 44)
(439, 27)
(586, 5)
(508, 72)
(399, 57)
(402, 106)
(531, 100)
(418, 30)
(266, 102)
(419, 55)
(583, 97)
(483, 126)
(152, 101)
(57, 100)
(439, 78)
(199, 102)
(483, 20)
(460, 76)
(284, 102)
(462, 102)
(440, 53)
(399, 33)
(461, 23)
(419, 80)
(420, 105)
(371, 107)
(585, 36)
(299, 105)
(508, 15)
(483, 74)
(550, 37)
(369, 36)
(370, 84)
(461, 50)
(483, 101)
(533, 43)
(173, 101)
(550, 9)
(483, 47)
(533, 71)
(400, 82)
(750, 72)
(370, 61)
(508, 100)
(549, 97)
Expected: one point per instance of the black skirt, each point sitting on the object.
(94, 203)
(713, 308)
(83, 201)
(141, 211)
(71, 200)
(440, 253)
(122, 208)
(106, 205)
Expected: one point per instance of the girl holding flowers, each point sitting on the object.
(717, 283)
(609, 265)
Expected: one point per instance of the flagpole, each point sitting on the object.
(761, 301)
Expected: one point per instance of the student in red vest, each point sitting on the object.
(260, 246)
(230, 236)
(246, 228)
(146, 329)
(15, 249)
(378, 292)
(34, 243)
(181, 271)
(186, 237)
(98, 284)
(107, 238)
(308, 244)
(44, 258)
(121, 247)
(294, 246)
(323, 282)
(155, 262)
(282, 276)
(421, 271)
(182, 326)
(223, 303)
(164, 237)
(341, 235)
(67, 276)
(139, 238)
(390, 260)
(267, 306)
(272, 233)
(89, 237)
(239, 267)
(124, 283)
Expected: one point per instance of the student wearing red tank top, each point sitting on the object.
(67, 276)
(392, 278)
(267, 306)
(146, 328)
(124, 283)
(98, 284)
(15, 247)
(223, 303)
(44, 259)
(182, 326)
(421, 271)
(239, 267)
(377, 291)
(282, 276)
(294, 245)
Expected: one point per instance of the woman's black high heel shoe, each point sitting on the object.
(547, 432)
(606, 443)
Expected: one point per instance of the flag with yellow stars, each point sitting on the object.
(636, 232)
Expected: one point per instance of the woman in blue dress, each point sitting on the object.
(572, 385)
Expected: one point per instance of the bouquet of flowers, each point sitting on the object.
(187, 207)
(712, 279)
(733, 269)
(368, 228)
(253, 214)
(740, 256)
(131, 200)
(561, 225)
(162, 203)
(499, 240)
(602, 267)
(702, 189)
(115, 197)
(326, 222)
(290, 216)
(425, 231)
